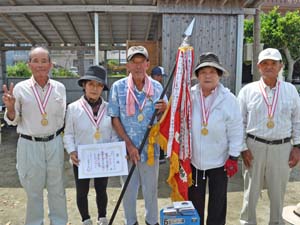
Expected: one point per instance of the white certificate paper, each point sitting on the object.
(102, 160)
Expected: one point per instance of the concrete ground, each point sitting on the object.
(13, 199)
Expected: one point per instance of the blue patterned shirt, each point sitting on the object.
(134, 129)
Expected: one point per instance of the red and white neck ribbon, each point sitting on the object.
(206, 110)
(94, 119)
(272, 106)
(141, 106)
(42, 105)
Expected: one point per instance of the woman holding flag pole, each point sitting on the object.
(217, 136)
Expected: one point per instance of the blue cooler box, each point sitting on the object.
(189, 218)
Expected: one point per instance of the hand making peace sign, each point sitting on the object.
(8, 97)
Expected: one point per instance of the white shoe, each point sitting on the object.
(87, 222)
(102, 221)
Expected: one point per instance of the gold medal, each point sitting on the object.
(97, 134)
(44, 121)
(140, 117)
(204, 131)
(270, 124)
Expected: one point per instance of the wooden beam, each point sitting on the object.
(21, 32)
(54, 47)
(246, 3)
(224, 2)
(73, 27)
(154, 2)
(12, 2)
(29, 20)
(148, 27)
(50, 21)
(129, 26)
(177, 2)
(90, 20)
(83, 2)
(79, 8)
(109, 24)
(258, 3)
(8, 36)
(37, 2)
(201, 2)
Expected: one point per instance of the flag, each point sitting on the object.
(173, 130)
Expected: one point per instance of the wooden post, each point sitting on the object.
(256, 44)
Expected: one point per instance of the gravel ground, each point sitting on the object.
(13, 199)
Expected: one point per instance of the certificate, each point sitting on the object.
(102, 160)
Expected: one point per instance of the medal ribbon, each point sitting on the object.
(271, 107)
(206, 111)
(95, 119)
(42, 106)
(137, 102)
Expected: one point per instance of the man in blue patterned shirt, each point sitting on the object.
(132, 102)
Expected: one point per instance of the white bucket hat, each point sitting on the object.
(291, 214)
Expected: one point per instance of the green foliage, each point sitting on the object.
(271, 29)
(62, 72)
(248, 31)
(111, 63)
(277, 31)
(20, 69)
(290, 25)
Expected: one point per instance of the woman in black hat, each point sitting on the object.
(88, 123)
(217, 135)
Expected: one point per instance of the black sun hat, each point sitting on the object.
(96, 73)
(210, 59)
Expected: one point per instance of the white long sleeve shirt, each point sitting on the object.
(80, 130)
(225, 129)
(28, 116)
(255, 112)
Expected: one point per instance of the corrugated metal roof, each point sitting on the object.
(71, 22)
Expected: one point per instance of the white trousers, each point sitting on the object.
(40, 165)
(269, 169)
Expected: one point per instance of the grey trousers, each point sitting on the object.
(269, 169)
(40, 165)
(147, 177)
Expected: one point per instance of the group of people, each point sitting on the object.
(262, 125)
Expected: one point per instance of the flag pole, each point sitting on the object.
(187, 34)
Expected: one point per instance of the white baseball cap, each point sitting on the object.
(132, 51)
(269, 53)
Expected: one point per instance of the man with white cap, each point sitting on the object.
(271, 115)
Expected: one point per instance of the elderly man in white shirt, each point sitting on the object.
(271, 115)
(37, 106)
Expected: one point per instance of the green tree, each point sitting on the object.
(20, 69)
(281, 32)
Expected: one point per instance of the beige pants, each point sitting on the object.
(40, 165)
(269, 169)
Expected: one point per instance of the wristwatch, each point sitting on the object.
(296, 146)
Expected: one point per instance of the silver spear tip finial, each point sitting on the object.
(188, 32)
